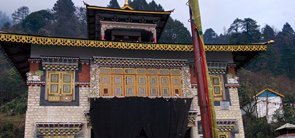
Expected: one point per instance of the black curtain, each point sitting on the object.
(138, 117)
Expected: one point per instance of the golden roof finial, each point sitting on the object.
(126, 6)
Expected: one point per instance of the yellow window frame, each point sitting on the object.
(153, 86)
(142, 85)
(136, 74)
(56, 96)
(217, 96)
(131, 85)
(118, 85)
(107, 85)
(165, 86)
(175, 86)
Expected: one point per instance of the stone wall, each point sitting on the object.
(234, 112)
(36, 113)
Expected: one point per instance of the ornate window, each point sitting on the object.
(140, 82)
(60, 86)
(217, 86)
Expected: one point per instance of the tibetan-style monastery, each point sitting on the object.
(121, 83)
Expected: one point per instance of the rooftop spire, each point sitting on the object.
(126, 6)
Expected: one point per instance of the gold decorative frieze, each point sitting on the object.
(129, 10)
(58, 128)
(38, 40)
(139, 62)
(60, 63)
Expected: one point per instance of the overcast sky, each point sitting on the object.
(216, 14)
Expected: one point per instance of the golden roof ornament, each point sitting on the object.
(127, 6)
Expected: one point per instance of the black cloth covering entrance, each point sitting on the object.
(139, 117)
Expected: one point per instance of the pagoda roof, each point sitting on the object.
(95, 14)
(17, 47)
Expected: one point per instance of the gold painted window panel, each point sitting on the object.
(140, 82)
(142, 86)
(60, 86)
(130, 85)
(154, 86)
(105, 85)
(118, 85)
(217, 86)
(165, 85)
(176, 85)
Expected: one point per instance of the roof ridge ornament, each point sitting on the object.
(126, 6)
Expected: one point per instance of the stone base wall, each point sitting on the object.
(36, 113)
(234, 112)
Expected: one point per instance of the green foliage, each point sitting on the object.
(3, 19)
(257, 128)
(210, 36)
(15, 107)
(34, 22)
(113, 4)
(66, 22)
(244, 31)
(12, 127)
(20, 14)
(279, 59)
(175, 32)
(268, 33)
(286, 115)
(139, 5)
(12, 86)
(271, 69)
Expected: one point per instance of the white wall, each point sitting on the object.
(266, 106)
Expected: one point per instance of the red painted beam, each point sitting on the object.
(202, 82)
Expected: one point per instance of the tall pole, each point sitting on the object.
(202, 82)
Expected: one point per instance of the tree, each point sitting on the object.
(234, 31)
(257, 128)
(37, 20)
(20, 14)
(251, 31)
(210, 36)
(244, 31)
(66, 22)
(175, 32)
(6, 27)
(3, 19)
(113, 4)
(288, 29)
(81, 14)
(286, 46)
(236, 26)
(268, 33)
(139, 5)
(154, 7)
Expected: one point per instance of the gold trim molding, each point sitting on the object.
(128, 11)
(38, 40)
